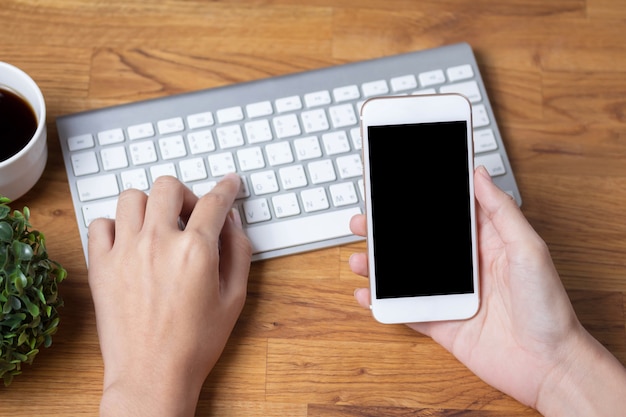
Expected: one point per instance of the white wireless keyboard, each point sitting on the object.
(293, 139)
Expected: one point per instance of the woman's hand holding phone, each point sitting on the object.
(525, 340)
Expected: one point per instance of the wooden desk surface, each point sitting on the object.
(556, 75)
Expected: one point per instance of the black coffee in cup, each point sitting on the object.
(18, 123)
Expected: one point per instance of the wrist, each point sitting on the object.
(149, 393)
(586, 381)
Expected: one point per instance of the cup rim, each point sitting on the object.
(41, 122)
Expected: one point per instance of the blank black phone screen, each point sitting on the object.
(420, 195)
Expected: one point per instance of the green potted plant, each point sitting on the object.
(29, 296)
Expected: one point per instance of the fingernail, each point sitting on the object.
(483, 171)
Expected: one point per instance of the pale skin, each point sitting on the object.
(526, 325)
(174, 332)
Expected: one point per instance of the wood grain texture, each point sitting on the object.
(556, 75)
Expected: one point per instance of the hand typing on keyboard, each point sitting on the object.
(166, 299)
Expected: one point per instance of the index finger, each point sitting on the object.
(210, 211)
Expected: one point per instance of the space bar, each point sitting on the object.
(300, 231)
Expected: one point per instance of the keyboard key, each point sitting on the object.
(492, 162)
(343, 115)
(375, 88)
(318, 98)
(192, 169)
(343, 194)
(285, 205)
(111, 136)
(134, 178)
(262, 108)
(173, 125)
(140, 131)
(279, 153)
(317, 228)
(198, 120)
(102, 209)
(349, 92)
(221, 164)
(84, 163)
(460, 72)
(258, 131)
(479, 116)
(335, 142)
(314, 121)
(162, 170)
(256, 211)
(484, 141)
(230, 114)
(201, 141)
(321, 171)
(94, 188)
(114, 158)
(76, 143)
(431, 78)
(286, 104)
(143, 153)
(403, 83)
(314, 199)
(172, 147)
(229, 136)
(264, 182)
(286, 126)
(469, 89)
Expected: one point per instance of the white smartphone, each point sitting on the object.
(419, 196)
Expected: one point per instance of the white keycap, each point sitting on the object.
(202, 188)
(321, 171)
(355, 137)
(264, 182)
(172, 147)
(317, 98)
(230, 114)
(484, 141)
(286, 104)
(493, 162)
(134, 178)
(173, 125)
(113, 158)
(258, 131)
(101, 209)
(349, 92)
(461, 72)
(469, 89)
(221, 164)
(403, 83)
(375, 88)
(84, 163)
(343, 194)
(350, 166)
(335, 142)
(229, 136)
(285, 205)
(201, 141)
(76, 143)
(256, 210)
(142, 152)
(286, 126)
(198, 120)
(292, 177)
(94, 188)
(279, 153)
(250, 158)
(307, 148)
(318, 227)
(192, 169)
(314, 199)
(140, 131)
(260, 109)
(480, 117)
(343, 115)
(429, 78)
(162, 170)
(314, 121)
(108, 137)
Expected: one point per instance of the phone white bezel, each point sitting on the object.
(407, 110)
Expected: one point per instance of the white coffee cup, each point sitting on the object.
(20, 172)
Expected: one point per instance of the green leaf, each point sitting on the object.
(6, 231)
(22, 251)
